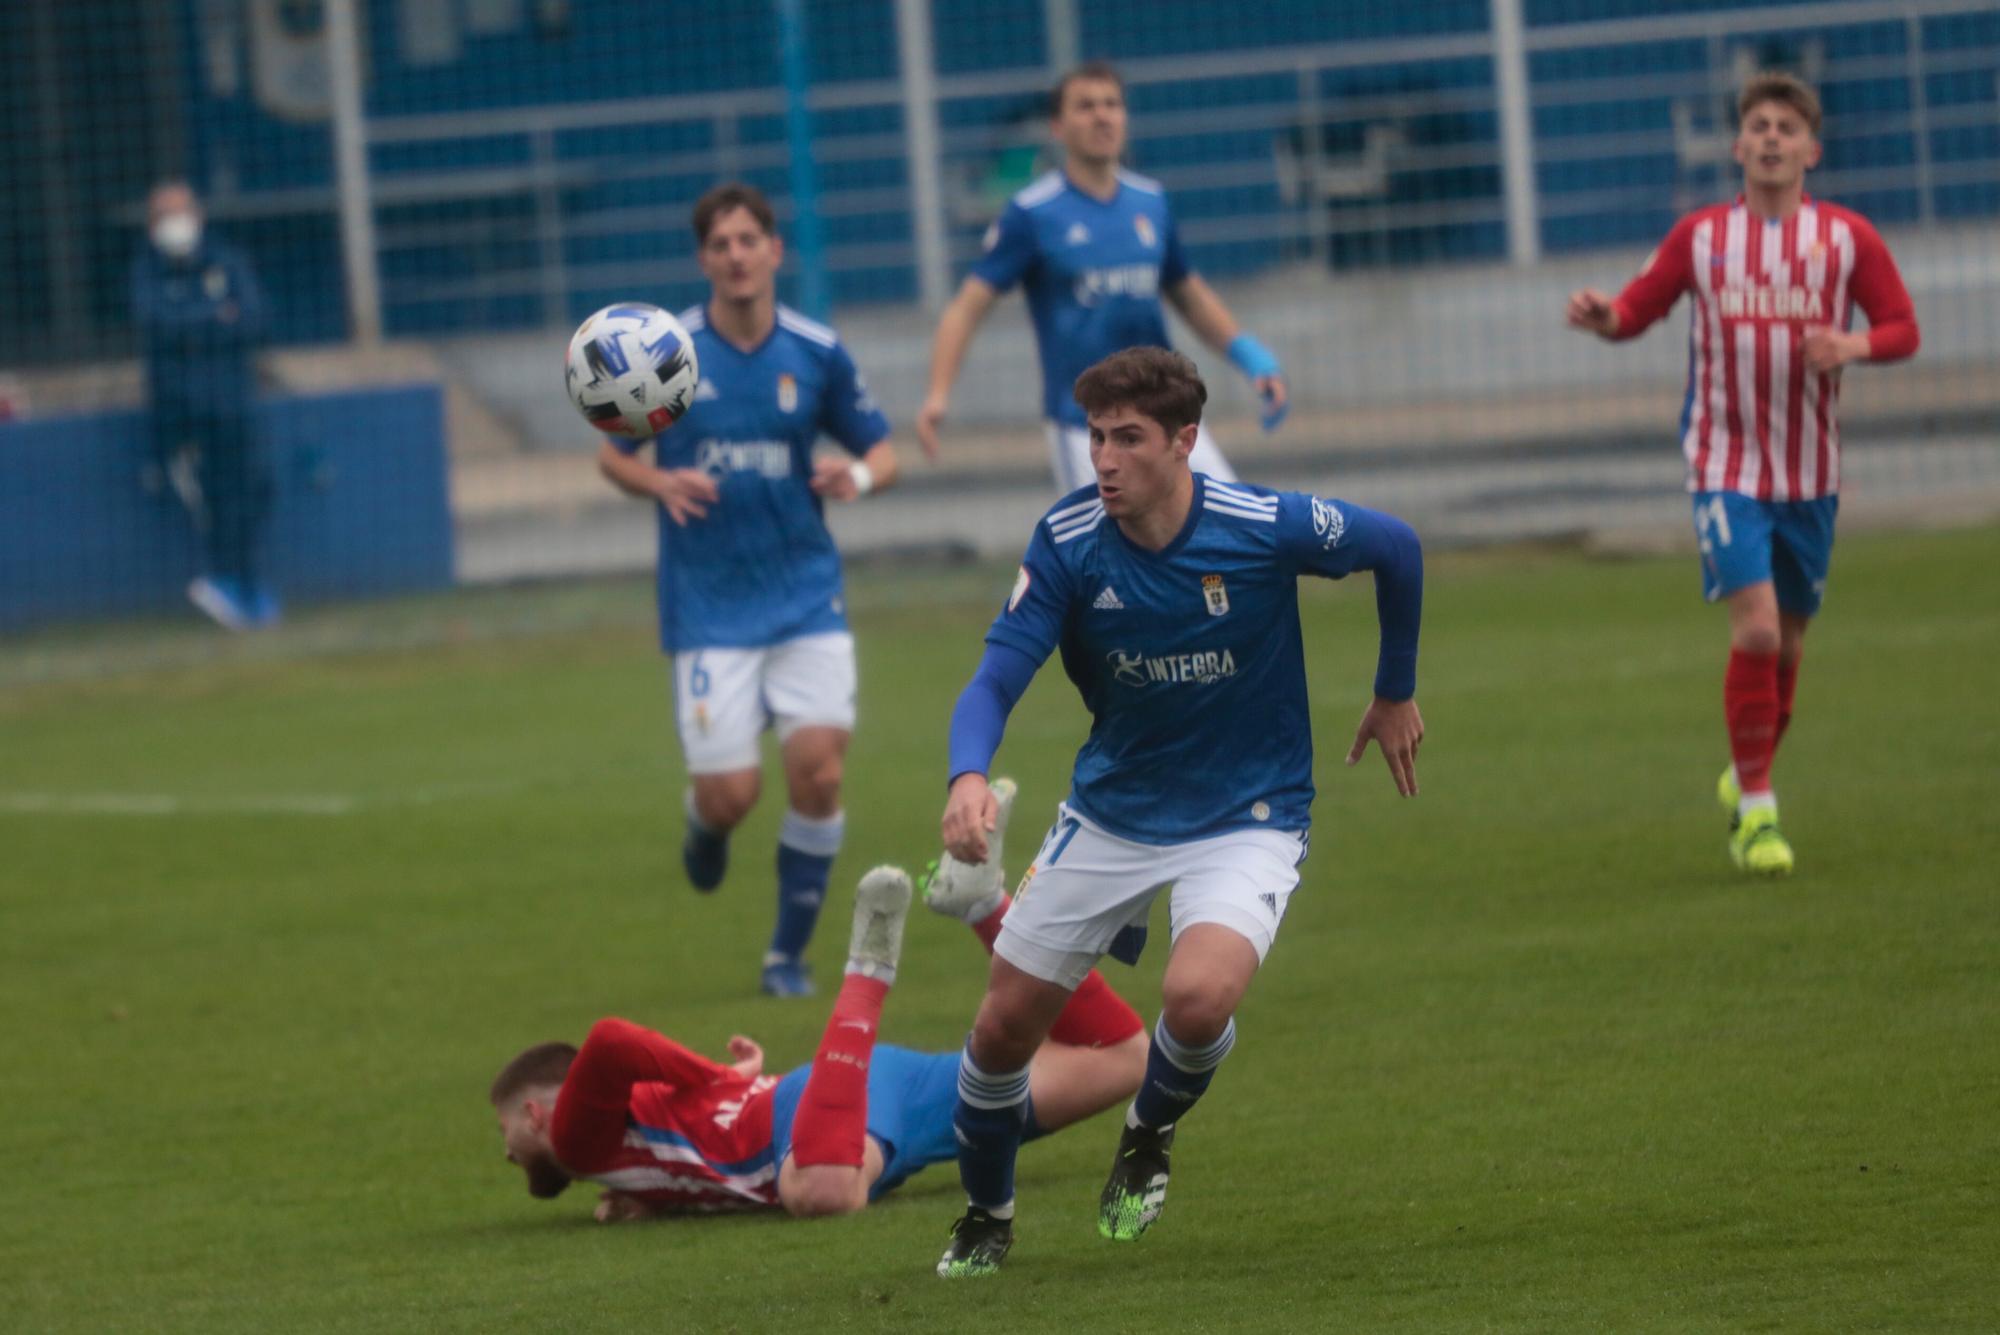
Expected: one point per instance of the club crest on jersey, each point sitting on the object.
(1078, 235)
(1214, 594)
(788, 393)
(1144, 227)
(1021, 582)
(1328, 522)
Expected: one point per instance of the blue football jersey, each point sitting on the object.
(1189, 659)
(761, 568)
(1093, 271)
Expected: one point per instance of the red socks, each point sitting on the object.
(988, 927)
(831, 1125)
(1750, 701)
(1095, 1017)
(1788, 685)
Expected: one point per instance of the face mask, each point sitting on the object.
(177, 234)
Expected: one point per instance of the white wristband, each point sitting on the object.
(864, 478)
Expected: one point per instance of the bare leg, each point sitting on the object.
(1069, 1084)
(824, 1189)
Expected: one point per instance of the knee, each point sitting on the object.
(824, 1194)
(1196, 1012)
(1755, 638)
(816, 786)
(1004, 1039)
(723, 803)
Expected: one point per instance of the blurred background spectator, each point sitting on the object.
(200, 314)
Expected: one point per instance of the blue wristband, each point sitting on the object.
(1253, 358)
(1257, 361)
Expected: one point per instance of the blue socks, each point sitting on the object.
(806, 849)
(1176, 1076)
(991, 1114)
(705, 852)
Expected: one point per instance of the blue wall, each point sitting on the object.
(474, 263)
(362, 508)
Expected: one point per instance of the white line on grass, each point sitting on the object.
(266, 804)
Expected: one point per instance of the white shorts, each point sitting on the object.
(1086, 885)
(724, 698)
(1069, 452)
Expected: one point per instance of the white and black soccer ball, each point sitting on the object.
(631, 370)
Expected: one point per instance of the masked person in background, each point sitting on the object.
(201, 313)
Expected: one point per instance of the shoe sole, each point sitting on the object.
(973, 1270)
(881, 907)
(1736, 855)
(1123, 1229)
(966, 1270)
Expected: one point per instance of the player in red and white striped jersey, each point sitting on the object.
(1775, 278)
(665, 1130)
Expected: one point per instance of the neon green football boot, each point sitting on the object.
(1756, 846)
(1728, 792)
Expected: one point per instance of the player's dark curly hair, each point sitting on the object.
(732, 195)
(543, 1064)
(1155, 382)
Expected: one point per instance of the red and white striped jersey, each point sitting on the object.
(642, 1114)
(1756, 420)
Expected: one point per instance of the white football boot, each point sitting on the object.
(881, 905)
(970, 891)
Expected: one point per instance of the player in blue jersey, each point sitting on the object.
(1173, 599)
(1095, 248)
(751, 607)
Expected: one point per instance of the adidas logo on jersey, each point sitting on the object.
(1078, 235)
(705, 390)
(1108, 601)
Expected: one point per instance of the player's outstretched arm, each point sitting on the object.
(977, 724)
(1667, 273)
(1388, 547)
(956, 327)
(1335, 539)
(1210, 318)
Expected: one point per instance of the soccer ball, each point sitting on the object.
(631, 370)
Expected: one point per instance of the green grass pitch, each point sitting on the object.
(1528, 1056)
